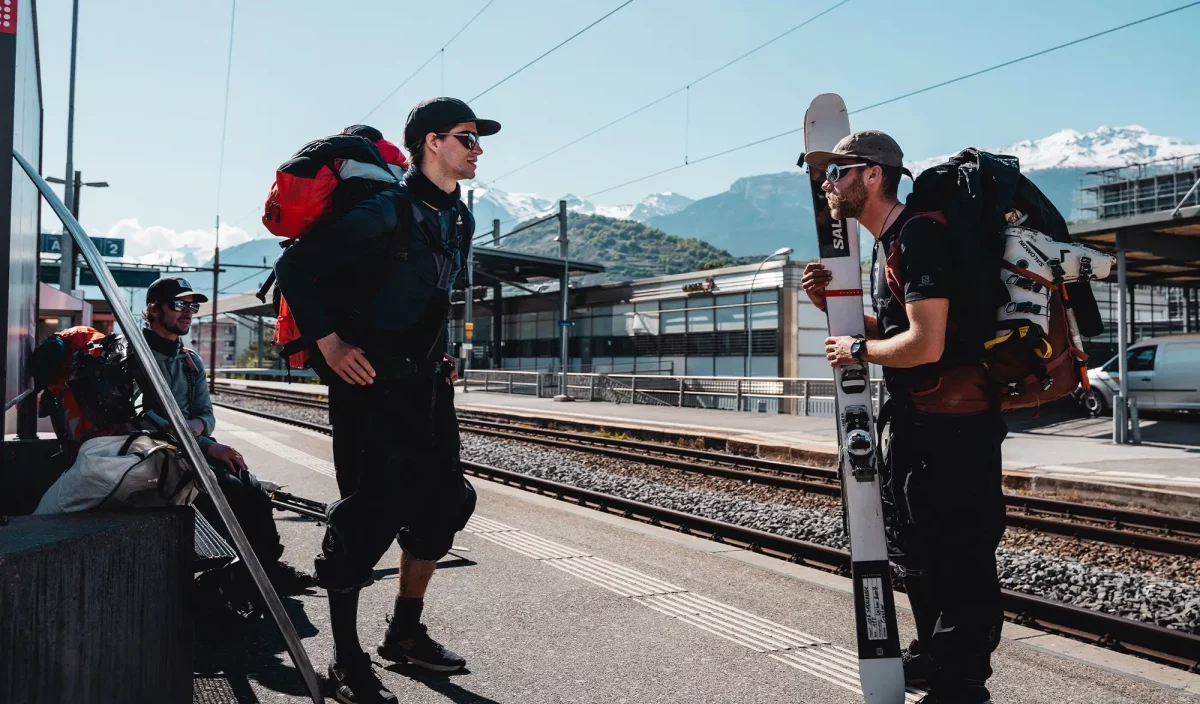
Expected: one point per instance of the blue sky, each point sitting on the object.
(151, 79)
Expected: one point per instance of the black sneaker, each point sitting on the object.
(420, 650)
(355, 683)
(917, 666)
(288, 580)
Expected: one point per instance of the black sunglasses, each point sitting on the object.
(468, 139)
(179, 305)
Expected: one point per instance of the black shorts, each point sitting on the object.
(396, 452)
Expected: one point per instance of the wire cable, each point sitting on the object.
(673, 93)
(550, 51)
(434, 55)
(225, 110)
(910, 94)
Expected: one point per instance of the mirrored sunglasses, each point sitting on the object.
(179, 305)
(835, 171)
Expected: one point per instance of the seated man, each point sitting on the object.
(170, 304)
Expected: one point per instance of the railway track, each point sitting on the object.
(1172, 647)
(1167, 535)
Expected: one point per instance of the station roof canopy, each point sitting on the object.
(492, 266)
(1161, 249)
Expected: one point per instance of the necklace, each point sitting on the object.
(888, 217)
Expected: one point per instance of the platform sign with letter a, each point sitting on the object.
(108, 246)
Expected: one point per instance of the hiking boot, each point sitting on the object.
(420, 650)
(355, 683)
(288, 580)
(917, 666)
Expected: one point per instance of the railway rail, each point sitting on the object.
(1172, 647)
(1142, 530)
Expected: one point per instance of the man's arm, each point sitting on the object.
(921, 343)
(201, 407)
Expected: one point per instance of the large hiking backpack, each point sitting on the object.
(325, 178)
(88, 384)
(1028, 299)
(328, 176)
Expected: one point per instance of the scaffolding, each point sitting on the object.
(1135, 189)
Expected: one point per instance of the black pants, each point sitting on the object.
(945, 507)
(251, 507)
(396, 452)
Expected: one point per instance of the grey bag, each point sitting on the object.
(121, 472)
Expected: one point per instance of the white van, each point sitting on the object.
(1164, 374)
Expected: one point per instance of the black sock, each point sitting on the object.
(343, 623)
(406, 616)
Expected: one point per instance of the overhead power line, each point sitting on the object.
(434, 55)
(225, 110)
(903, 96)
(673, 93)
(550, 51)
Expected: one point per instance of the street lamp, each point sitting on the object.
(66, 276)
(784, 252)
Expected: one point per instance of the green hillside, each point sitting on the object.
(629, 249)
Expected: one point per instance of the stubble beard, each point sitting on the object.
(849, 201)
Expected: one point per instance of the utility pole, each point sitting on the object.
(468, 346)
(564, 293)
(212, 353)
(66, 270)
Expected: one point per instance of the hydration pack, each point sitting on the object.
(325, 178)
(1027, 288)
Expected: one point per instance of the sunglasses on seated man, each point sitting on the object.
(179, 305)
(468, 139)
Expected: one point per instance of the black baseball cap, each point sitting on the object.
(439, 115)
(168, 288)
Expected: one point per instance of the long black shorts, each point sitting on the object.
(396, 453)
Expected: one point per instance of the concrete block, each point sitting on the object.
(95, 608)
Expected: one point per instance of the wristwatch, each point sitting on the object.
(858, 349)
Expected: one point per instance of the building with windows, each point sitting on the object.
(228, 340)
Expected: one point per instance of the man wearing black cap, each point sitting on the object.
(943, 491)
(383, 275)
(170, 304)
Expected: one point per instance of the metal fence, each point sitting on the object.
(809, 397)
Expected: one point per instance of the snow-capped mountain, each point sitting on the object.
(1071, 149)
(494, 203)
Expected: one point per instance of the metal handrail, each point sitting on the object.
(191, 448)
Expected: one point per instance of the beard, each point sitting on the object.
(180, 327)
(848, 201)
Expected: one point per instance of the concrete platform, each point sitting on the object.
(1055, 449)
(556, 603)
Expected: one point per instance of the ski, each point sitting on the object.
(879, 666)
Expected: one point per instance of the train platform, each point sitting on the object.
(551, 602)
(1055, 450)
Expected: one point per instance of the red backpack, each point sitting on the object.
(326, 178)
(51, 364)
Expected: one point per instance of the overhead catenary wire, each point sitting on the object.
(677, 91)
(440, 52)
(550, 51)
(225, 109)
(903, 96)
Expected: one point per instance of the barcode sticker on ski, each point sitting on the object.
(876, 611)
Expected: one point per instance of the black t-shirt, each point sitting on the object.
(927, 271)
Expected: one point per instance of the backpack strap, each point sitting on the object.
(891, 268)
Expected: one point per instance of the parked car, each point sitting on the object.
(1164, 374)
